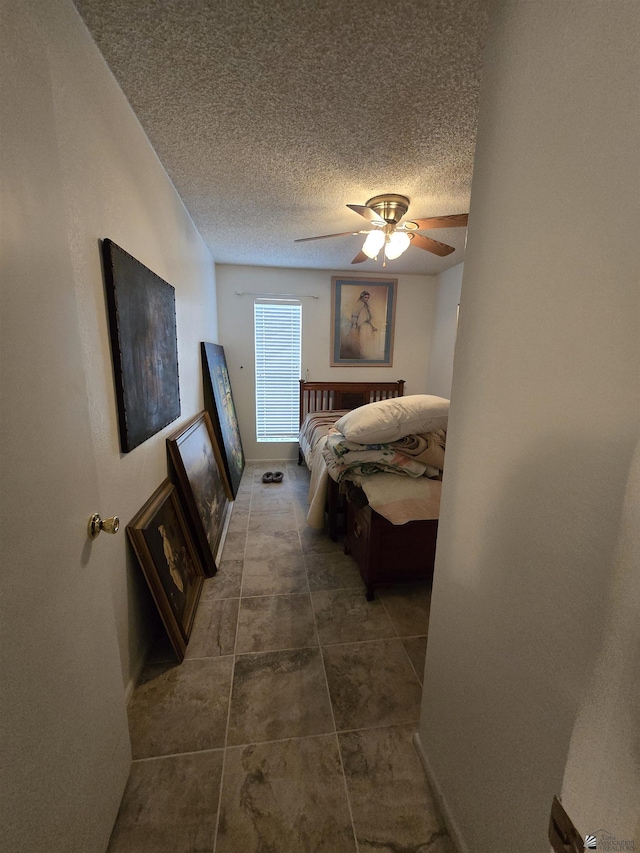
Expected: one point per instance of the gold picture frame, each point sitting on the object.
(362, 321)
(203, 485)
(173, 571)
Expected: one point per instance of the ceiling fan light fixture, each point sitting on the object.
(391, 233)
(397, 243)
(391, 207)
(373, 244)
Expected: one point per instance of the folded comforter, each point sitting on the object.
(427, 448)
(412, 456)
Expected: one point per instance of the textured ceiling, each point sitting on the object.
(271, 115)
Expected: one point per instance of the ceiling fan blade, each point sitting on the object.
(359, 258)
(369, 214)
(431, 245)
(458, 220)
(324, 236)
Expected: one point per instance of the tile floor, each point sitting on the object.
(288, 727)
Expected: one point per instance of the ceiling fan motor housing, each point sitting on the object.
(390, 207)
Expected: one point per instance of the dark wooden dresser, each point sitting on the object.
(389, 553)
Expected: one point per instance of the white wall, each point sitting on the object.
(543, 424)
(445, 328)
(414, 319)
(107, 182)
(605, 734)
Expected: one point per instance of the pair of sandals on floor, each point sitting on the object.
(272, 477)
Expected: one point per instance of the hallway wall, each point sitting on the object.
(544, 419)
(445, 329)
(76, 167)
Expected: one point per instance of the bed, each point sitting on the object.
(390, 521)
(321, 405)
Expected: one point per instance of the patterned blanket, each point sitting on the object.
(413, 456)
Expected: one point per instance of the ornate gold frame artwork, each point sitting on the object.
(164, 548)
(362, 321)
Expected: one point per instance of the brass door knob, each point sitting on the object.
(96, 524)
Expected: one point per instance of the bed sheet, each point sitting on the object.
(315, 426)
(312, 439)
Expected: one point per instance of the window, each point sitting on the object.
(278, 332)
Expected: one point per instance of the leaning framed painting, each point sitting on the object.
(218, 401)
(203, 485)
(164, 548)
(362, 321)
(144, 347)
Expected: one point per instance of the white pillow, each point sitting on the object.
(391, 420)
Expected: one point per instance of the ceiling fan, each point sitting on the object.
(392, 236)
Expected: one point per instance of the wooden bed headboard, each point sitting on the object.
(320, 396)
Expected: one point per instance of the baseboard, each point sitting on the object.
(136, 670)
(447, 815)
(135, 677)
(270, 461)
(225, 530)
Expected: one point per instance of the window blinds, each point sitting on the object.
(278, 327)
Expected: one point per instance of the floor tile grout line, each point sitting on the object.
(306, 737)
(411, 723)
(275, 595)
(280, 740)
(176, 754)
(275, 740)
(320, 645)
(365, 642)
(212, 601)
(333, 717)
(346, 791)
(390, 618)
(412, 666)
(233, 671)
(358, 593)
(401, 638)
(272, 651)
(317, 635)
